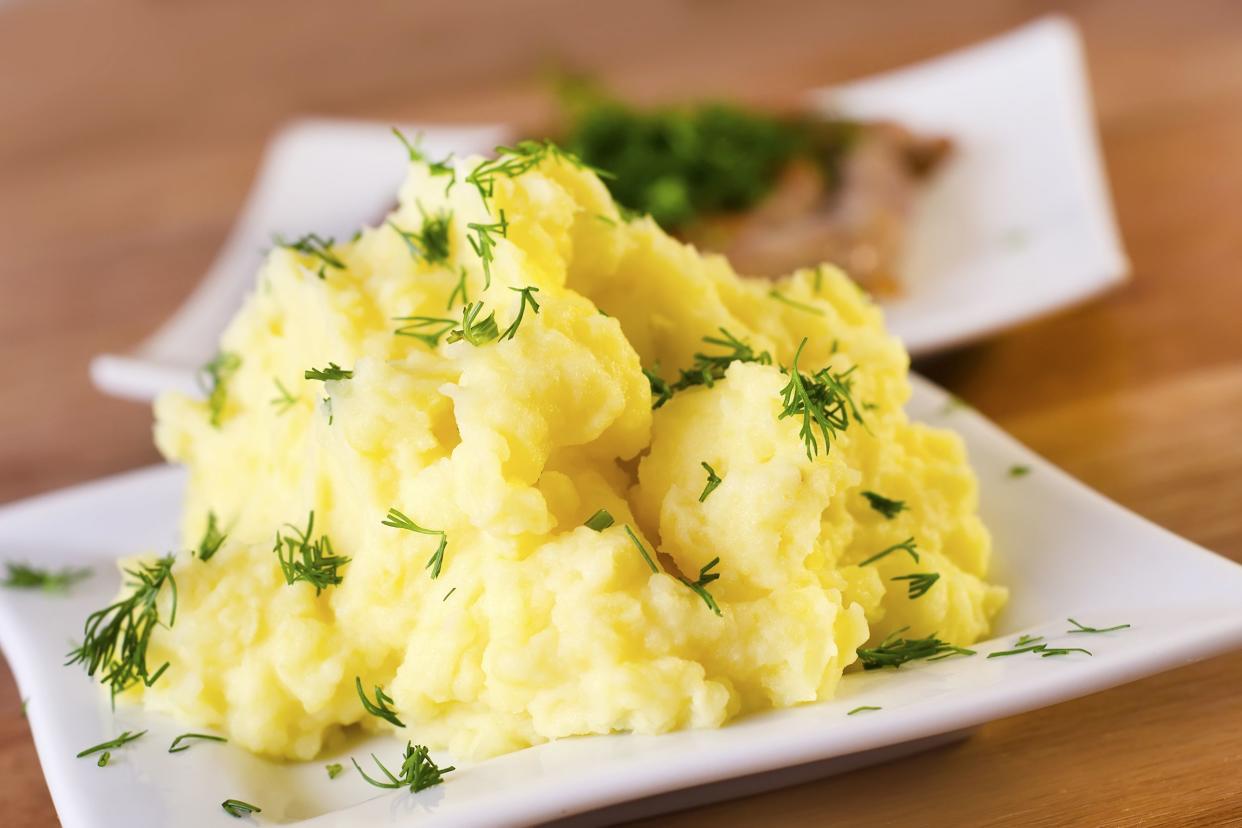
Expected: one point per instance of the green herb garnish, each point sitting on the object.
(906, 545)
(706, 576)
(379, 707)
(512, 161)
(863, 708)
(484, 243)
(25, 576)
(399, 520)
(707, 369)
(823, 400)
(418, 771)
(473, 330)
(1019, 471)
(334, 769)
(104, 759)
(793, 303)
(886, 507)
(212, 538)
(460, 289)
(304, 559)
(895, 651)
(661, 391)
(429, 329)
(120, 741)
(599, 521)
(238, 809)
(920, 582)
(285, 401)
(1043, 649)
(115, 638)
(430, 243)
(1082, 628)
(218, 372)
(179, 745)
(713, 480)
(528, 295)
(1027, 639)
(447, 594)
(317, 247)
(642, 550)
(332, 372)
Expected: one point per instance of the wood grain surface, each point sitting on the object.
(130, 132)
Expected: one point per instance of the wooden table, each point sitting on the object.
(130, 132)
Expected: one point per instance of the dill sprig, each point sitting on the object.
(475, 331)
(661, 391)
(416, 154)
(238, 809)
(317, 247)
(332, 372)
(642, 550)
(863, 709)
(895, 651)
(600, 521)
(889, 508)
(1083, 628)
(213, 379)
(398, 520)
(484, 243)
(706, 576)
(418, 771)
(212, 538)
(430, 243)
(906, 545)
(378, 708)
(304, 559)
(334, 769)
(528, 295)
(1019, 470)
(1043, 650)
(428, 329)
(25, 576)
(707, 369)
(920, 582)
(104, 759)
(512, 161)
(286, 400)
(459, 289)
(824, 400)
(713, 480)
(115, 638)
(120, 741)
(794, 303)
(1027, 639)
(179, 744)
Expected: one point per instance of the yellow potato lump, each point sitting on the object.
(538, 627)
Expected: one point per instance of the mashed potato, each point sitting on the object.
(537, 626)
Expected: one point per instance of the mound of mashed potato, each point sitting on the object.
(537, 626)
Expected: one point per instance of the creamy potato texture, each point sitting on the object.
(537, 626)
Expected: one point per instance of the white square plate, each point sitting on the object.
(1017, 225)
(1063, 550)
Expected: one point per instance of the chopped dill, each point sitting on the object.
(1027, 639)
(1018, 470)
(179, 745)
(317, 247)
(428, 329)
(908, 545)
(794, 303)
(214, 379)
(713, 480)
(919, 583)
(473, 330)
(599, 521)
(819, 278)
(238, 809)
(863, 709)
(332, 372)
(304, 559)
(484, 243)
(1043, 650)
(1083, 628)
(512, 161)
(120, 741)
(889, 508)
(25, 576)
(378, 708)
(824, 400)
(285, 401)
(447, 594)
(115, 638)
(398, 520)
(430, 243)
(334, 769)
(528, 295)
(418, 771)
(706, 576)
(707, 368)
(642, 550)
(895, 651)
(104, 759)
(459, 289)
(212, 538)
(661, 391)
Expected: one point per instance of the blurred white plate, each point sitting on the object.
(1063, 550)
(1018, 224)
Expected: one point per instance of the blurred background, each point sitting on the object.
(131, 132)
